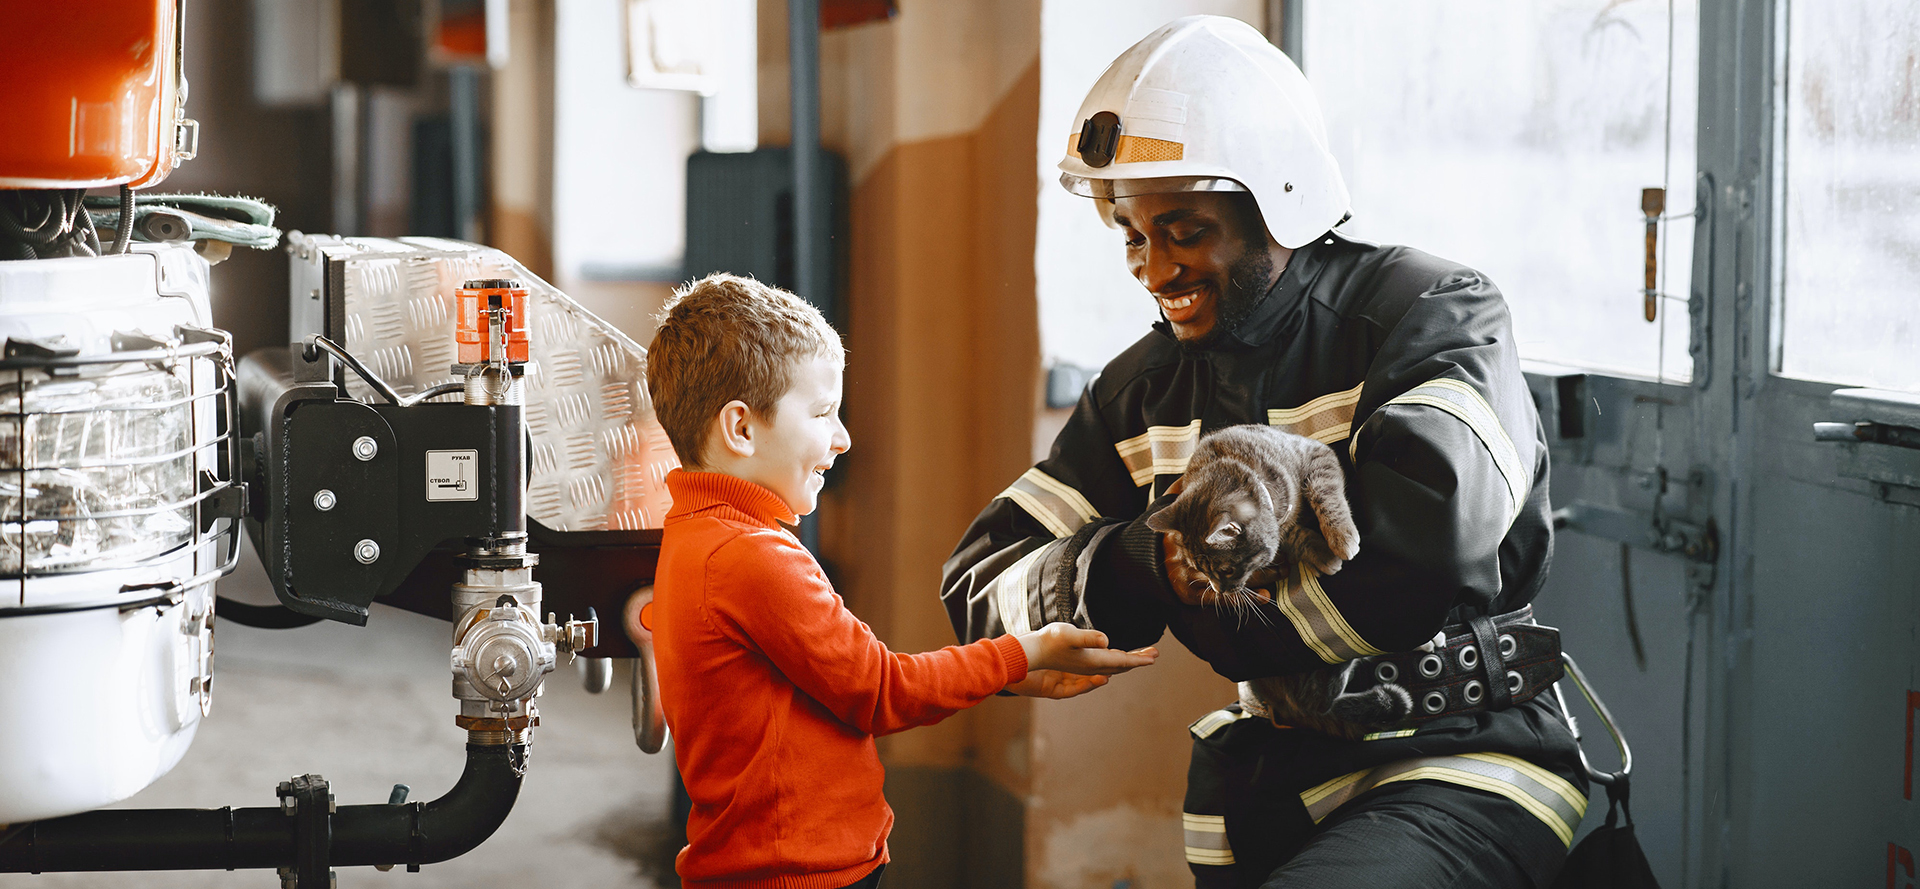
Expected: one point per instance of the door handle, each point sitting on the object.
(1879, 445)
(1872, 433)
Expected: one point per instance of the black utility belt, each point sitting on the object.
(1487, 663)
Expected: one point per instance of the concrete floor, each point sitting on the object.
(369, 707)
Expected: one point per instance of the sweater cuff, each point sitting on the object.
(1129, 565)
(1139, 549)
(1014, 656)
(1127, 595)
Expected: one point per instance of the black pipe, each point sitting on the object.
(228, 839)
(508, 509)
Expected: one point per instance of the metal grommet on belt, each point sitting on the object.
(1386, 671)
(1430, 666)
(1514, 682)
(1508, 646)
(1473, 692)
(1469, 657)
(1434, 702)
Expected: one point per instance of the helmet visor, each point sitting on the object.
(1109, 189)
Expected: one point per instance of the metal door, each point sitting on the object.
(1745, 596)
(1776, 573)
(1808, 750)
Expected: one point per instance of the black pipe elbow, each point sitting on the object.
(229, 839)
(446, 828)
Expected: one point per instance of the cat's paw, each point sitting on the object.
(1324, 567)
(1343, 539)
(1319, 557)
(1382, 705)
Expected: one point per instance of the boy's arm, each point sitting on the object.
(768, 593)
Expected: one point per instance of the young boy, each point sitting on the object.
(773, 690)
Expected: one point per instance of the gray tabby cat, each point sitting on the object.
(1255, 497)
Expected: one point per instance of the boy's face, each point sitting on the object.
(794, 448)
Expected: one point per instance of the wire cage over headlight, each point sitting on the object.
(118, 460)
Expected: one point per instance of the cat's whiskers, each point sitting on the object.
(1249, 602)
(1241, 603)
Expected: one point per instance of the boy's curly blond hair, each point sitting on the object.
(724, 338)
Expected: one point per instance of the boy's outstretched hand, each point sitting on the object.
(1064, 660)
(1055, 684)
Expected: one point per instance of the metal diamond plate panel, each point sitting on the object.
(599, 460)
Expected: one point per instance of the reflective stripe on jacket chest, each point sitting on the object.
(1166, 450)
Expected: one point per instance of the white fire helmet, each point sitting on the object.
(1205, 103)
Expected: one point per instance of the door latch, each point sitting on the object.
(1660, 533)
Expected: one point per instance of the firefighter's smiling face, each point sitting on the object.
(1205, 257)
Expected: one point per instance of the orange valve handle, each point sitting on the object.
(476, 299)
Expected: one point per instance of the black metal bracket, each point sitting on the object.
(223, 501)
(353, 494)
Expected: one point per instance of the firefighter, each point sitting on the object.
(1204, 145)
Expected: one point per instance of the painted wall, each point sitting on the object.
(938, 113)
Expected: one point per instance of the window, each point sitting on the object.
(1516, 138)
(1850, 208)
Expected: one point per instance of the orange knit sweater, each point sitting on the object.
(774, 692)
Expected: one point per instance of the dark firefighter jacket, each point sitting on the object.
(1405, 364)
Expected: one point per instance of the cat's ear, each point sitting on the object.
(1224, 534)
(1162, 521)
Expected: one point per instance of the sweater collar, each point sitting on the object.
(695, 491)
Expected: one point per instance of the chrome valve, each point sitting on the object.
(506, 655)
(502, 651)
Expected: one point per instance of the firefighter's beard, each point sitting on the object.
(1249, 280)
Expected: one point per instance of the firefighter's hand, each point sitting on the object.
(1055, 684)
(1192, 588)
(1065, 647)
(1189, 586)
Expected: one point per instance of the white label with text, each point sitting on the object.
(453, 475)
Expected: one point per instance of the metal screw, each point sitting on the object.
(323, 500)
(365, 447)
(367, 552)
